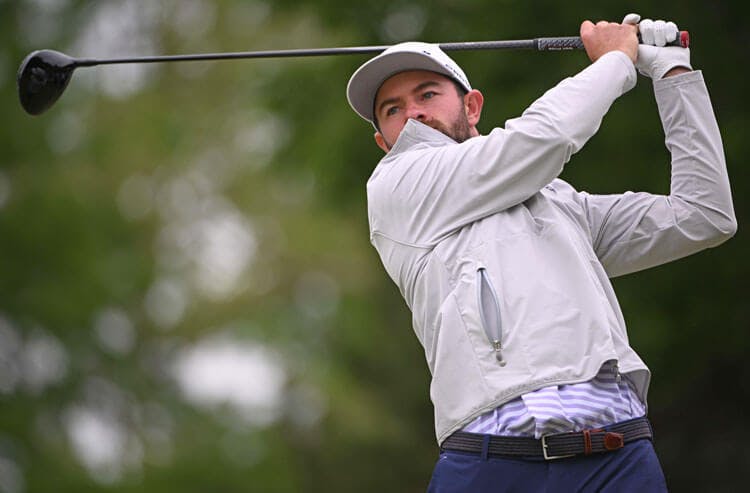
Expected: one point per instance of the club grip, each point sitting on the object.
(682, 40)
(575, 43)
(559, 43)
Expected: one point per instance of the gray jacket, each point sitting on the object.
(506, 268)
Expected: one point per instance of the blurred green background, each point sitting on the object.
(188, 298)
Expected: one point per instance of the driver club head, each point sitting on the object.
(42, 78)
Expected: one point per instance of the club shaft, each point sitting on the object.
(537, 44)
(571, 42)
(307, 52)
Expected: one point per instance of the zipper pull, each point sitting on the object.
(618, 376)
(498, 354)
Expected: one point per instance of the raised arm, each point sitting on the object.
(426, 192)
(639, 230)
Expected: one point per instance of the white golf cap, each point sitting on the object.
(366, 81)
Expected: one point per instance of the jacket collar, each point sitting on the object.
(415, 133)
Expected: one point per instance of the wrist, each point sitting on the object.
(676, 71)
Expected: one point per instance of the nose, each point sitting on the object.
(415, 111)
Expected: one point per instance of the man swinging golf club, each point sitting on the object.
(506, 268)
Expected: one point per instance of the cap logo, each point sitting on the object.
(455, 72)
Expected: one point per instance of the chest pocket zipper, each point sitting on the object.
(489, 312)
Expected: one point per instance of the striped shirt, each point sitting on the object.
(607, 398)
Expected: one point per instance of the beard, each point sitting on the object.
(458, 130)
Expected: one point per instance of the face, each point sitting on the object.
(427, 97)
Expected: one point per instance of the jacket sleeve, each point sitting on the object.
(423, 194)
(635, 231)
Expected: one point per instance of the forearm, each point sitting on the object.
(699, 172)
(635, 231)
(576, 106)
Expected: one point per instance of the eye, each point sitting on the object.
(391, 110)
(429, 95)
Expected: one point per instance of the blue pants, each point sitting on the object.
(633, 468)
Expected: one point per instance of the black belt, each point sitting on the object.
(556, 446)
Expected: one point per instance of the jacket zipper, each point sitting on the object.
(489, 313)
(616, 371)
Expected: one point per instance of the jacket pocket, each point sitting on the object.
(489, 313)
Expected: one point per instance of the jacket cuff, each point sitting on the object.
(618, 60)
(677, 80)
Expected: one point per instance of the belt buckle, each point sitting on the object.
(547, 456)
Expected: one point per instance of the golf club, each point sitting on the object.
(44, 74)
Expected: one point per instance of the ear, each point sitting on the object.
(473, 102)
(380, 141)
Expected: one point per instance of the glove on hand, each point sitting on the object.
(654, 58)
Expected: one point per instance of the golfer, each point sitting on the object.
(506, 268)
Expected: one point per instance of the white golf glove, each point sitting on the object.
(654, 58)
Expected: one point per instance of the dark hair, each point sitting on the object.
(461, 90)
